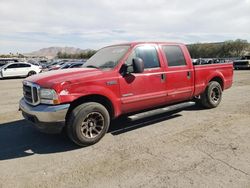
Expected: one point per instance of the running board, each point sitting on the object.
(158, 111)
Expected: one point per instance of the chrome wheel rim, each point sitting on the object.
(215, 94)
(92, 125)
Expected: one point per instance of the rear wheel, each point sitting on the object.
(31, 73)
(212, 96)
(88, 123)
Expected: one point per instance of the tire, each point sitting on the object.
(212, 96)
(88, 123)
(31, 73)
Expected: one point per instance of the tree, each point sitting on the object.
(239, 47)
(59, 55)
(225, 49)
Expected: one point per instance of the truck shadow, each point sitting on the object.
(125, 124)
(20, 139)
(12, 78)
(196, 108)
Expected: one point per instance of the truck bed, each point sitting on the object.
(208, 71)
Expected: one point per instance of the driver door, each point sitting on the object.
(11, 70)
(143, 90)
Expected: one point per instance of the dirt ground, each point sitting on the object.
(193, 148)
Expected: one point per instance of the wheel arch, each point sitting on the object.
(93, 98)
(219, 80)
(31, 72)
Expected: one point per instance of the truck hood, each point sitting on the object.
(52, 78)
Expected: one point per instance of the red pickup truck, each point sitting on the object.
(120, 79)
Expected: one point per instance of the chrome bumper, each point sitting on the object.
(50, 119)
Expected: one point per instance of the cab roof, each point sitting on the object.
(156, 43)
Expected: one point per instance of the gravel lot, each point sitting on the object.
(194, 148)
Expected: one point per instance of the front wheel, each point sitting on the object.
(88, 123)
(212, 96)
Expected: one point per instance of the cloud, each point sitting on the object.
(30, 24)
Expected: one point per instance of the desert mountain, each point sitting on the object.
(52, 51)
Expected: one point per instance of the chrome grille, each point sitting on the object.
(31, 93)
(27, 93)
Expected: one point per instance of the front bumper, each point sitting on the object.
(46, 118)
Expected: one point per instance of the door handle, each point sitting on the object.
(188, 74)
(162, 76)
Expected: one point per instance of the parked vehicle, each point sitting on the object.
(71, 65)
(2, 64)
(57, 65)
(8, 60)
(39, 62)
(4, 61)
(18, 69)
(33, 62)
(117, 80)
(243, 63)
(202, 61)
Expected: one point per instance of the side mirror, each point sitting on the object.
(138, 65)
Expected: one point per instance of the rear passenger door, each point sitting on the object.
(24, 69)
(180, 75)
(143, 90)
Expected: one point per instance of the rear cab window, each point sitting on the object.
(174, 56)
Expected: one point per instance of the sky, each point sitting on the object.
(29, 25)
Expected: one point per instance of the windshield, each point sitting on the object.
(107, 58)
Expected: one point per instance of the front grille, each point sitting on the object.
(27, 93)
(31, 93)
(35, 94)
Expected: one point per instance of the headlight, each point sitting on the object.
(48, 96)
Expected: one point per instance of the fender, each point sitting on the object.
(215, 74)
(75, 92)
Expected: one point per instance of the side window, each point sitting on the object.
(148, 54)
(24, 65)
(174, 56)
(12, 66)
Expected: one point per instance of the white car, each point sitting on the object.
(17, 69)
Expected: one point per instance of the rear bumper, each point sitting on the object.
(46, 118)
